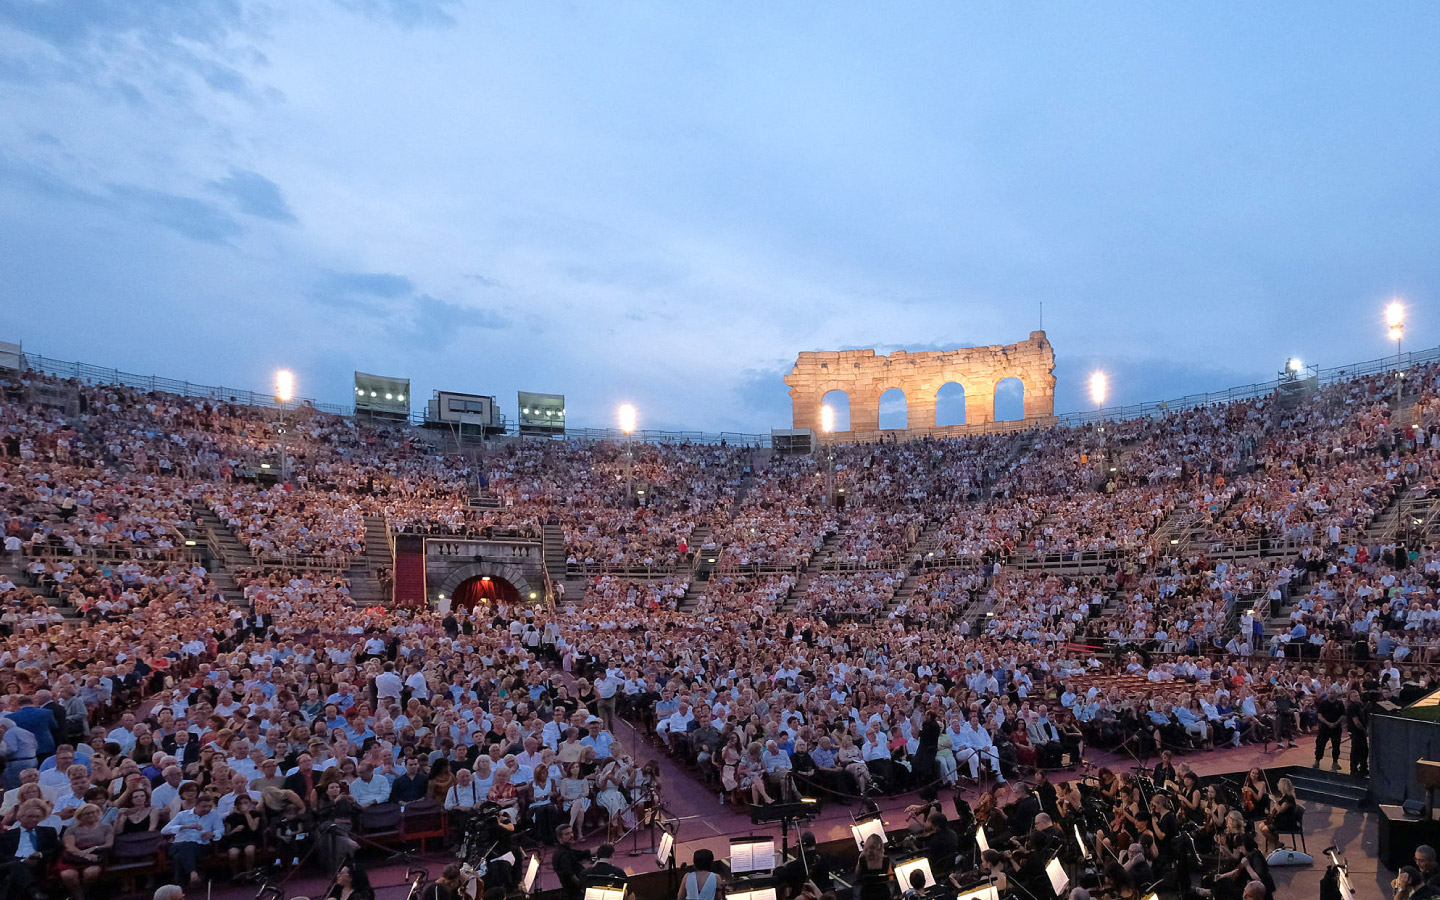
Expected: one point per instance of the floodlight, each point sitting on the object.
(284, 385)
(627, 418)
(1099, 387)
(1395, 314)
(827, 418)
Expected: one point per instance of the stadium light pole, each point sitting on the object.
(284, 390)
(1395, 320)
(627, 425)
(827, 425)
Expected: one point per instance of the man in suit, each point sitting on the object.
(183, 746)
(604, 867)
(304, 781)
(26, 852)
(39, 722)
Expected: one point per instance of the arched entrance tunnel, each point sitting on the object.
(484, 591)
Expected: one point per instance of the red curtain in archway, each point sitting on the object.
(484, 590)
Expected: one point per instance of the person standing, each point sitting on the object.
(1357, 720)
(1331, 713)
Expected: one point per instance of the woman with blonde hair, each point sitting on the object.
(1283, 817)
(873, 871)
(85, 845)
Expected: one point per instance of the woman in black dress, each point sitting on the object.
(873, 871)
(242, 835)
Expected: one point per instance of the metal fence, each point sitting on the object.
(89, 374)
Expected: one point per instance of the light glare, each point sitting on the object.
(627, 418)
(284, 385)
(1395, 314)
(827, 418)
(1099, 387)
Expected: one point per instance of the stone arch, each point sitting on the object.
(440, 597)
(861, 374)
(950, 404)
(892, 411)
(839, 402)
(1009, 399)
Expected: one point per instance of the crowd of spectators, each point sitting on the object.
(160, 705)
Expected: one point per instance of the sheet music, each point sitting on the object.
(752, 856)
(758, 894)
(1058, 879)
(532, 874)
(863, 830)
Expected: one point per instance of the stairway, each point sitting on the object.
(234, 556)
(1324, 786)
(553, 539)
(365, 587)
(693, 593)
(902, 593)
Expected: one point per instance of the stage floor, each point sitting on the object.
(705, 822)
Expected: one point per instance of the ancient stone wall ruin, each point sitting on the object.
(863, 376)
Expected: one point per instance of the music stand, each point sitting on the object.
(982, 842)
(865, 826)
(987, 892)
(752, 854)
(758, 893)
(1080, 840)
(610, 889)
(532, 875)
(906, 868)
(665, 850)
(1059, 880)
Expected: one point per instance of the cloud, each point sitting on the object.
(196, 219)
(392, 303)
(407, 13)
(69, 23)
(384, 285)
(436, 323)
(254, 195)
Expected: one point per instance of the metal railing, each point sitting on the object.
(91, 374)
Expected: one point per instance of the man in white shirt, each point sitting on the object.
(124, 733)
(239, 785)
(388, 685)
(192, 829)
(169, 789)
(606, 687)
(369, 789)
(677, 724)
(977, 744)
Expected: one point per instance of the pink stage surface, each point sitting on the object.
(703, 821)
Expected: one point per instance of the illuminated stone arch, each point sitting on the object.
(863, 376)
